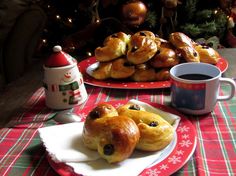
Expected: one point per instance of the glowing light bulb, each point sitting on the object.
(70, 20)
(58, 17)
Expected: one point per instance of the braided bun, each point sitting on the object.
(207, 54)
(144, 34)
(142, 47)
(163, 74)
(155, 132)
(144, 73)
(94, 121)
(113, 136)
(121, 69)
(185, 46)
(114, 47)
(165, 56)
(103, 71)
(179, 40)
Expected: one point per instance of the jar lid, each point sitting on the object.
(59, 58)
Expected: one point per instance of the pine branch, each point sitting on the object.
(152, 18)
(204, 15)
(190, 8)
(191, 29)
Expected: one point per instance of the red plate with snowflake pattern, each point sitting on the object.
(87, 65)
(170, 162)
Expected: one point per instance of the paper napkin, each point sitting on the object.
(64, 144)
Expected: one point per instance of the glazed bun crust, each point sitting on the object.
(179, 39)
(121, 69)
(94, 121)
(144, 34)
(163, 74)
(118, 139)
(103, 71)
(122, 55)
(114, 47)
(189, 54)
(185, 46)
(142, 48)
(165, 56)
(155, 132)
(112, 135)
(207, 54)
(144, 73)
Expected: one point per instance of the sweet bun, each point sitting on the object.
(141, 49)
(144, 34)
(112, 135)
(118, 139)
(155, 132)
(121, 69)
(165, 56)
(163, 74)
(103, 71)
(185, 46)
(179, 39)
(207, 54)
(114, 47)
(190, 54)
(94, 121)
(143, 73)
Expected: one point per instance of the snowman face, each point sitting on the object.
(68, 77)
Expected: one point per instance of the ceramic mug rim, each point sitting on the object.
(215, 74)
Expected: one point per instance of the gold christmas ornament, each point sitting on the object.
(134, 13)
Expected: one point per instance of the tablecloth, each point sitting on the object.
(22, 152)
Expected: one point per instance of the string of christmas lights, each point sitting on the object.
(81, 25)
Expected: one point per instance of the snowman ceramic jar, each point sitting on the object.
(63, 83)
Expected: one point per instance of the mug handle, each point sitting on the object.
(231, 83)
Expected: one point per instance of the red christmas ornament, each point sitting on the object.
(59, 58)
(134, 13)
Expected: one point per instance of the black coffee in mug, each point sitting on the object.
(195, 76)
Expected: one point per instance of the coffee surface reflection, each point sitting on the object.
(195, 76)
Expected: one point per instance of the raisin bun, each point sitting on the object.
(94, 121)
(113, 136)
(207, 54)
(155, 132)
(163, 74)
(144, 73)
(142, 47)
(114, 46)
(121, 69)
(185, 46)
(103, 71)
(165, 56)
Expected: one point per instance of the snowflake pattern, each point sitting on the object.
(164, 167)
(185, 143)
(183, 129)
(185, 136)
(153, 172)
(174, 159)
(179, 152)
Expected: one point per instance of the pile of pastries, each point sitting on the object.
(116, 132)
(144, 56)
